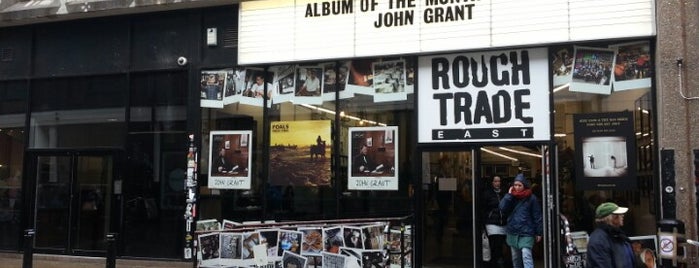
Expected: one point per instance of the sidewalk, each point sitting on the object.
(14, 260)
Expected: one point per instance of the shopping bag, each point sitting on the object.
(485, 246)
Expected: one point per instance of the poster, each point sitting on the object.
(373, 160)
(230, 159)
(632, 68)
(389, 81)
(562, 65)
(300, 153)
(256, 82)
(605, 151)
(592, 70)
(646, 249)
(212, 85)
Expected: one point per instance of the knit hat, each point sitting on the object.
(605, 209)
(520, 178)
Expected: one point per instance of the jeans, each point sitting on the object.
(522, 258)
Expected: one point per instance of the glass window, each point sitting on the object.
(301, 159)
(595, 81)
(13, 104)
(78, 112)
(157, 149)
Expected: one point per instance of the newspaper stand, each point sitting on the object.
(399, 225)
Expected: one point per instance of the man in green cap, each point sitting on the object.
(609, 247)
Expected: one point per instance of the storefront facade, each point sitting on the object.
(440, 96)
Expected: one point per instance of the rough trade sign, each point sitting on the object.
(489, 96)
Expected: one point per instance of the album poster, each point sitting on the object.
(208, 225)
(284, 83)
(333, 239)
(309, 85)
(212, 85)
(646, 249)
(592, 70)
(605, 151)
(269, 238)
(389, 81)
(300, 153)
(312, 244)
(333, 260)
(373, 236)
(256, 82)
(209, 247)
(231, 248)
(234, 86)
(230, 159)
(289, 241)
(361, 77)
(632, 69)
(373, 163)
(562, 65)
(290, 259)
(334, 80)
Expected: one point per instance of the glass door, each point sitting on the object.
(72, 201)
(447, 187)
(501, 164)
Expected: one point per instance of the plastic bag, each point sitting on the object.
(485, 246)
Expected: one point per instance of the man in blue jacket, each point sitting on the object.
(608, 246)
(525, 223)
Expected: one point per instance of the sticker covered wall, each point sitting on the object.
(488, 96)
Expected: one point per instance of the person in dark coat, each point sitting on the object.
(494, 220)
(525, 222)
(608, 246)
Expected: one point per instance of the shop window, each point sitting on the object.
(12, 142)
(302, 153)
(604, 82)
(152, 187)
(78, 112)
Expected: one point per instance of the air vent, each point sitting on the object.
(230, 37)
(6, 54)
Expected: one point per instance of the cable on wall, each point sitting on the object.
(679, 77)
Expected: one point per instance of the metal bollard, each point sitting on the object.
(27, 259)
(111, 250)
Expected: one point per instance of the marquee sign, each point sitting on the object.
(272, 31)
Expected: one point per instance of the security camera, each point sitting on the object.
(181, 61)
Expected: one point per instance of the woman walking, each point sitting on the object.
(524, 225)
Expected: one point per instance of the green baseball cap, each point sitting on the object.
(605, 209)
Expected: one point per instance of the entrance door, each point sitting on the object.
(447, 185)
(72, 204)
(506, 162)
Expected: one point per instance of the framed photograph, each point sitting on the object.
(373, 162)
(229, 161)
(646, 249)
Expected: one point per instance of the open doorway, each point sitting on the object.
(448, 202)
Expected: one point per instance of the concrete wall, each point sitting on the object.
(678, 117)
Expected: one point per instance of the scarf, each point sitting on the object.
(522, 194)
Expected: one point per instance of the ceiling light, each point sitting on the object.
(519, 152)
(499, 154)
